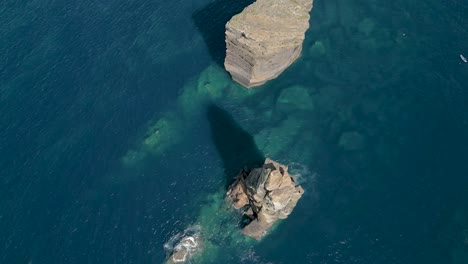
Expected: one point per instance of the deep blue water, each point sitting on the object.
(120, 130)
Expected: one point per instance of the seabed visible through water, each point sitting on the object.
(115, 143)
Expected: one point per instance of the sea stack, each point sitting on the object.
(264, 195)
(264, 39)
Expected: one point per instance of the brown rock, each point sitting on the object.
(180, 256)
(238, 195)
(184, 250)
(274, 181)
(256, 229)
(281, 197)
(268, 193)
(264, 39)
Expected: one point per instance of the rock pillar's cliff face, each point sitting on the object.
(264, 39)
(265, 195)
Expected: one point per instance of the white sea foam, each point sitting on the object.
(305, 177)
(187, 239)
(302, 174)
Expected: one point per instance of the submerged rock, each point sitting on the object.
(264, 39)
(210, 86)
(294, 98)
(274, 140)
(158, 138)
(161, 134)
(318, 49)
(212, 82)
(265, 195)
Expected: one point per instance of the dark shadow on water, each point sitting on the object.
(211, 20)
(235, 146)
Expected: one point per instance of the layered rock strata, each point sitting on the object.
(264, 39)
(265, 195)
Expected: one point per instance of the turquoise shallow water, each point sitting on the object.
(119, 130)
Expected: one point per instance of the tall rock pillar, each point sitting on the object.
(264, 39)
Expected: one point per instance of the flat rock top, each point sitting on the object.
(272, 20)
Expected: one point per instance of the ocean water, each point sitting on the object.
(120, 130)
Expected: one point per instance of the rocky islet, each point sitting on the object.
(264, 39)
(264, 195)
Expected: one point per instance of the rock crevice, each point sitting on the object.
(265, 195)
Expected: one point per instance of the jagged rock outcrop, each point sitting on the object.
(184, 249)
(264, 39)
(265, 195)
